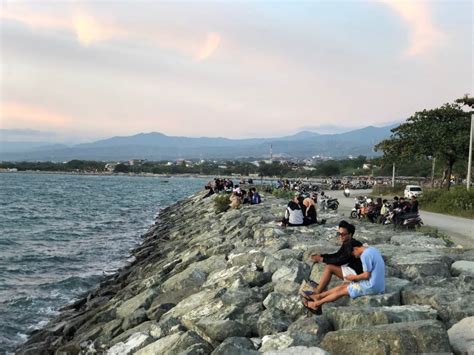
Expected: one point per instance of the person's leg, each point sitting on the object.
(328, 271)
(329, 296)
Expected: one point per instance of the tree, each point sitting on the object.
(442, 133)
(121, 168)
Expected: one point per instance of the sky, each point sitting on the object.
(79, 71)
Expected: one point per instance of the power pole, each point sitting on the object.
(393, 175)
(469, 161)
(433, 171)
(271, 153)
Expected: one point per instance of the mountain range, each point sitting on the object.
(157, 146)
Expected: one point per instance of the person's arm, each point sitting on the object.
(337, 258)
(363, 276)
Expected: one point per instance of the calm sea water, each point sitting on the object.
(59, 234)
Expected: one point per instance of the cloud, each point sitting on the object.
(210, 46)
(424, 36)
(14, 114)
(87, 28)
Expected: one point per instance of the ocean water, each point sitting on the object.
(60, 234)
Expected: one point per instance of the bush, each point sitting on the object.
(458, 201)
(435, 233)
(221, 202)
(284, 194)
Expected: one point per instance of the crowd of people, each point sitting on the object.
(360, 267)
(238, 196)
(387, 212)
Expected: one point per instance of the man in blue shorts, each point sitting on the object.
(370, 282)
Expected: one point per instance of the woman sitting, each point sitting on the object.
(293, 214)
(310, 212)
(235, 200)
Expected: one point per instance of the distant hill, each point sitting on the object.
(157, 146)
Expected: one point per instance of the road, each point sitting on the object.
(460, 230)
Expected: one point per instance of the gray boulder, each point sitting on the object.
(175, 344)
(355, 317)
(131, 345)
(298, 350)
(236, 346)
(462, 267)
(291, 305)
(216, 331)
(461, 336)
(272, 321)
(426, 336)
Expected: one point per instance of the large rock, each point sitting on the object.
(190, 279)
(426, 336)
(134, 343)
(461, 336)
(298, 350)
(248, 257)
(216, 331)
(462, 267)
(142, 300)
(175, 344)
(293, 272)
(451, 303)
(235, 346)
(355, 317)
(272, 321)
(290, 305)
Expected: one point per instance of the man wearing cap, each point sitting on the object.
(342, 263)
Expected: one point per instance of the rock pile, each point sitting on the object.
(227, 283)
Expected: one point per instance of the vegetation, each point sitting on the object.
(435, 233)
(388, 190)
(221, 202)
(442, 133)
(458, 201)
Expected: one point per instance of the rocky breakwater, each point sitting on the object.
(227, 283)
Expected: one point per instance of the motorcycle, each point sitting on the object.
(408, 220)
(347, 192)
(360, 203)
(332, 204)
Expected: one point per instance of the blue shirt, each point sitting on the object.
(256, 198)
(372, 262)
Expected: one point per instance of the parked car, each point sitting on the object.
(413, 190)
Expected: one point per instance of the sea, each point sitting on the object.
(61, 234)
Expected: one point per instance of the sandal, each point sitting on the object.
(317, 311)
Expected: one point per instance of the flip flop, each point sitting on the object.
(312, 283)
(316, 311)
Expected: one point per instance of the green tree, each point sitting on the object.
(442, 133)
(121, 168)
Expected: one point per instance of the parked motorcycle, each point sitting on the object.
(332, 204)
(405, 220)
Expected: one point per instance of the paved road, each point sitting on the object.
(461, 230)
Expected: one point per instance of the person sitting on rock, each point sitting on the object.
(235, 200)
(310, 212)
(342, 263)
(370, 282)
(256, 198)
(293, 214)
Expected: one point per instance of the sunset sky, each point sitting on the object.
(87, 70)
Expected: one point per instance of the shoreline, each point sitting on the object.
(201, 279)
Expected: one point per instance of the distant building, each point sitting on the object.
(133, 162)
(110, 166)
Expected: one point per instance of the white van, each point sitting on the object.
(413, 190)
